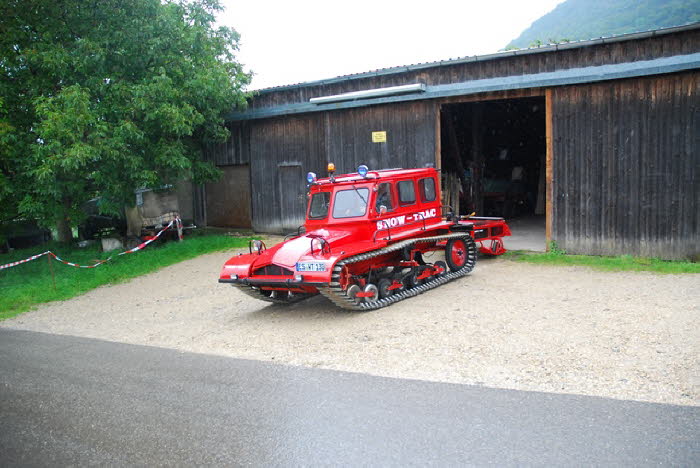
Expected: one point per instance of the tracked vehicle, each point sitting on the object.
(368, 242)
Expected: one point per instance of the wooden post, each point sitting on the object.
(477, 157)
(549, 169)
(53, 277)
(456, 156)
(438, 144)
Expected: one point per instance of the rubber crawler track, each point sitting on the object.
(335, 293)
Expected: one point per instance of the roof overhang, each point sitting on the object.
(571, 76)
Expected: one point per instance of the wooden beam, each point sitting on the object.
(438, 139)
(477, 157)
(549, 168)
(493, 96)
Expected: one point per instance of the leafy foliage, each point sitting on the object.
(106, 96)
(587, 19)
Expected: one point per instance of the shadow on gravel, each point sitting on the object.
(317, 307)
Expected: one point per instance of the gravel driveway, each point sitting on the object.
(509, 325)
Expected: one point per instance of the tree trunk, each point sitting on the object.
(65, 232)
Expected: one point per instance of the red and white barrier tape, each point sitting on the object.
(19, 262)
(177, 222)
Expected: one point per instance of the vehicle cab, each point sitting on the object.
(374, 204)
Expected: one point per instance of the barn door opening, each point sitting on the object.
(493, 159)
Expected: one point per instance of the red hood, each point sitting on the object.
(291, 251)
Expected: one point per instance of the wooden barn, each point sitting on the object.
(598, 141)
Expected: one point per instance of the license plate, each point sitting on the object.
(311, 266)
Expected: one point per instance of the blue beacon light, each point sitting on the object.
(362, 170)
(311, 177)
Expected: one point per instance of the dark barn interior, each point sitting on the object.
(493, 157)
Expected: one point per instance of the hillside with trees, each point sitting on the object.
(586, 19)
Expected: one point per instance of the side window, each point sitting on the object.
(384, 197)
(318, 208)
(407, 192)
(427, 189)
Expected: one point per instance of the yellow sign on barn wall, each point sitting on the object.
(379, 137)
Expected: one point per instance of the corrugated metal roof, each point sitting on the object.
(479, 58)
(569, 76)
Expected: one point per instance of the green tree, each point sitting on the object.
(106, 96)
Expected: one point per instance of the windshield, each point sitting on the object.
(350, 203)
(319, 205)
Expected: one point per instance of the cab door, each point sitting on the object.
(399, 198)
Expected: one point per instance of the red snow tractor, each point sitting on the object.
(367, 242)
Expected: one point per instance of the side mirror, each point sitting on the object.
(382, 209)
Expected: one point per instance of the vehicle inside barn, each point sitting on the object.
(493, 157)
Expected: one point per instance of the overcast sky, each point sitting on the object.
(286, 42)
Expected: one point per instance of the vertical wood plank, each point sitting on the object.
(438, 143)
(549, 176)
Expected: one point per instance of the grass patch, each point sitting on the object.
(620, 263)
(29, 284)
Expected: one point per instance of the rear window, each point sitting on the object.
(427, 189)
(407, 192)
(350, 203)
(318, 208)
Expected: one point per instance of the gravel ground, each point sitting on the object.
(508, 325)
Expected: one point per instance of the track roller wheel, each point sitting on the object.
(383, 286)
(412, 279)
(456, 254)
(371, 288)
(352, 293)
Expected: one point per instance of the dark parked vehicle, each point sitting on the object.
(21, 234)
(98, 224)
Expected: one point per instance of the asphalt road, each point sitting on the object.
(67, 400)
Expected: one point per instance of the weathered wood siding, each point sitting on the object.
(283, 150)
(664, 45)
(410, 133)
(626, 163)
(228, 199)
(210, 203)
(277, 146)
(235, 151)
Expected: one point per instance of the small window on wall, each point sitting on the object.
(407, 192)
(427, 189)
